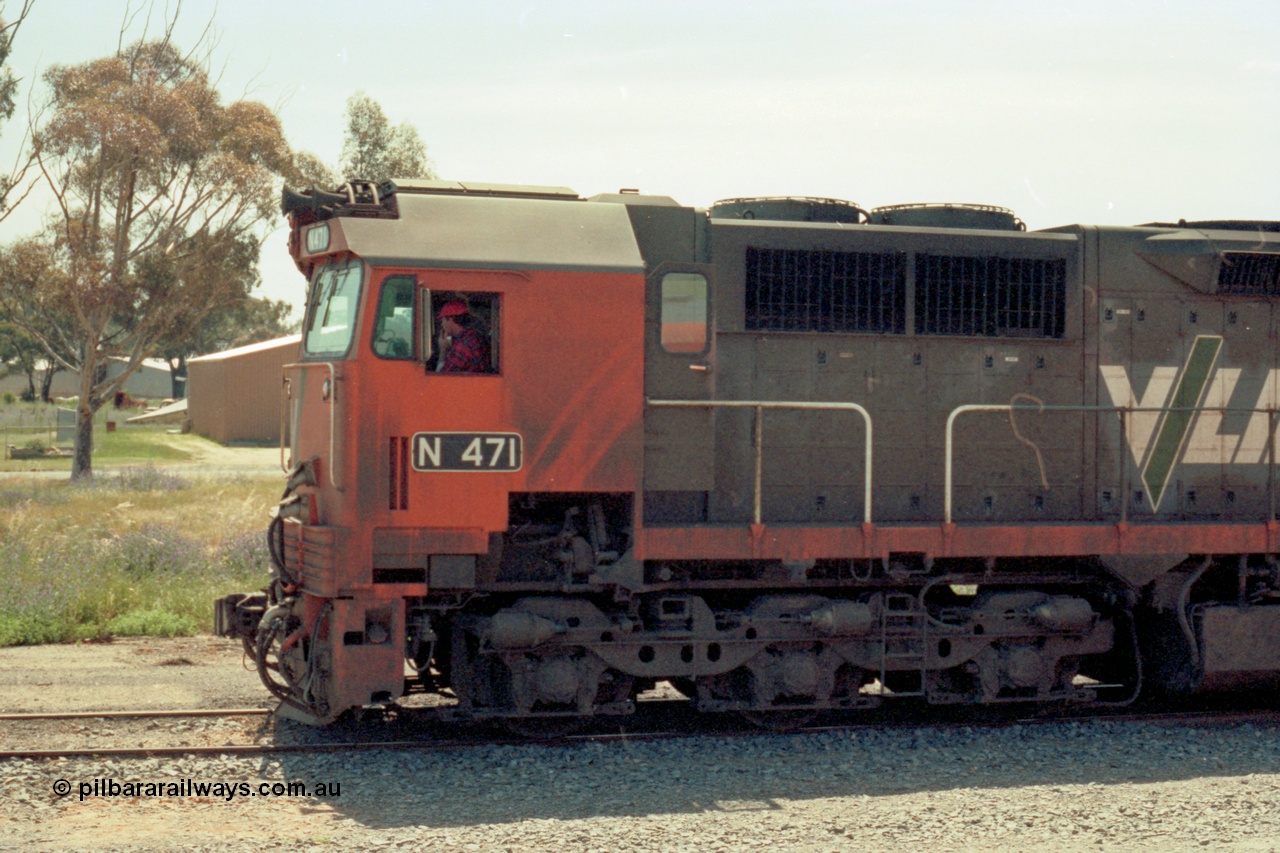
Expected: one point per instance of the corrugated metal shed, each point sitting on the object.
(234, 395)
(151, 381)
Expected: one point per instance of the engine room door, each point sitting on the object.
(679, 358)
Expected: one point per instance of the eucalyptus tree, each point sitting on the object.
(34, 332)
(13, 187)
(374, 150)
(157, 186)
(18, 349)
(234, 324)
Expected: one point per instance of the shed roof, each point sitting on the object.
(261, 346)
(176, 409)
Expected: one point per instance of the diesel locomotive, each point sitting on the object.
(785, 454)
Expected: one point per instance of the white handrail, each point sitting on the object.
(333, 405)
(1124, 411)
(759, 406)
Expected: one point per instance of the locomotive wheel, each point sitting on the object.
(779, 721)
(544, 728)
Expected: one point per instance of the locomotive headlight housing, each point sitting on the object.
(318, 238)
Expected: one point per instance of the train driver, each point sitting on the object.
(464, 347)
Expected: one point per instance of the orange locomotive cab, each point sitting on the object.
(404, 470)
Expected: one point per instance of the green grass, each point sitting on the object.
(136, 444)
(151, 623)
(138, 552)
(129, 445)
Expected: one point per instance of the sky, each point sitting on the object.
(1067, 112)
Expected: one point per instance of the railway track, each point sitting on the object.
(655, 720)
(123, 715)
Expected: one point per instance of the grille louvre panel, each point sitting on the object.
(1249, 274)
(807, 290)
(990, 296)
(310, 552)
(398, 472)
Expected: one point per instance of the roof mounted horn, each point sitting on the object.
(354, 198)
(315, 201)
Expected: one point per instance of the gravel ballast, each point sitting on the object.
(1072, 785)
(1056, 786)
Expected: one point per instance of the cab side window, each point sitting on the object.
(467, 327)
(393, 325)
(684, 313)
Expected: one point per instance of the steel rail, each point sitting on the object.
(1186, 718)
(426, 745)
(112, 715)
(240, 749)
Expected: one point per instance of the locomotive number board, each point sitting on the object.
(467, 451)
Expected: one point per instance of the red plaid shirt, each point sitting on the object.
(468, 353)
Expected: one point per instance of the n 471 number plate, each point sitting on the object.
(467, 451)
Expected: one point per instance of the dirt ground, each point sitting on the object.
(146, 673)
(264, 459)
(208, 459)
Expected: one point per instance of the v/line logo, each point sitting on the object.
(1173, 433)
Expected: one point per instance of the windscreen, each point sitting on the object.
(331, 314)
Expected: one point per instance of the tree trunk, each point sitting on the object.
(82, 462)
(46, 382)
(177, 377)
(86, 406)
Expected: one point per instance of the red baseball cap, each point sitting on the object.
(456, 308)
